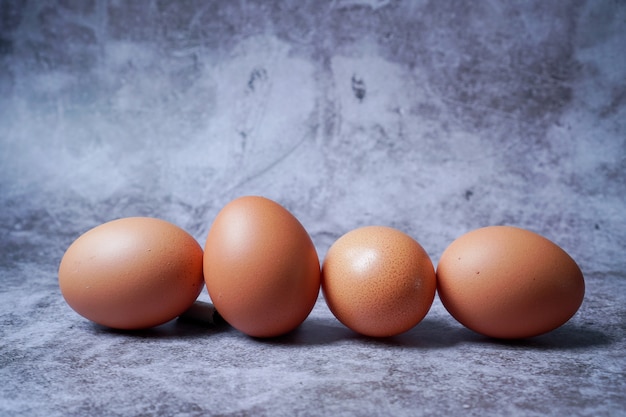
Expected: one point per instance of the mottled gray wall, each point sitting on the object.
(435, 117)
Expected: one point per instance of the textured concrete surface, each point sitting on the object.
(435, 117)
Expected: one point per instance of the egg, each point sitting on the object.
(378, 281)
(261, 269)
(510, 283)
(132, 273)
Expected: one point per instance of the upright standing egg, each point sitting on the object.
(261, 268)
(507, 282)
(132, 273)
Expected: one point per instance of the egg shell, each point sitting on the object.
(132, 273)
(261, 268)
(507, 282)
(378, 281)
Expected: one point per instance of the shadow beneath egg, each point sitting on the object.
(567, 337)
(199, 320)
(434, 333)
(174, 329)
(314, 331)
(202, 320)
(430, 333)
(438, 333)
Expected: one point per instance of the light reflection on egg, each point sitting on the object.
(378, 281)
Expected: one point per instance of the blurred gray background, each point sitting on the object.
(435, 117)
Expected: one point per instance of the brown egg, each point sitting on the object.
(132, 273)
(378, 281)
(507, 282)
(261, 268)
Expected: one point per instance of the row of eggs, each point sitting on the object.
(263, 276)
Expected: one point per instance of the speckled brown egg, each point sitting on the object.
(132, 273)
(507, 282)
(378, 281)
(261, 268)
